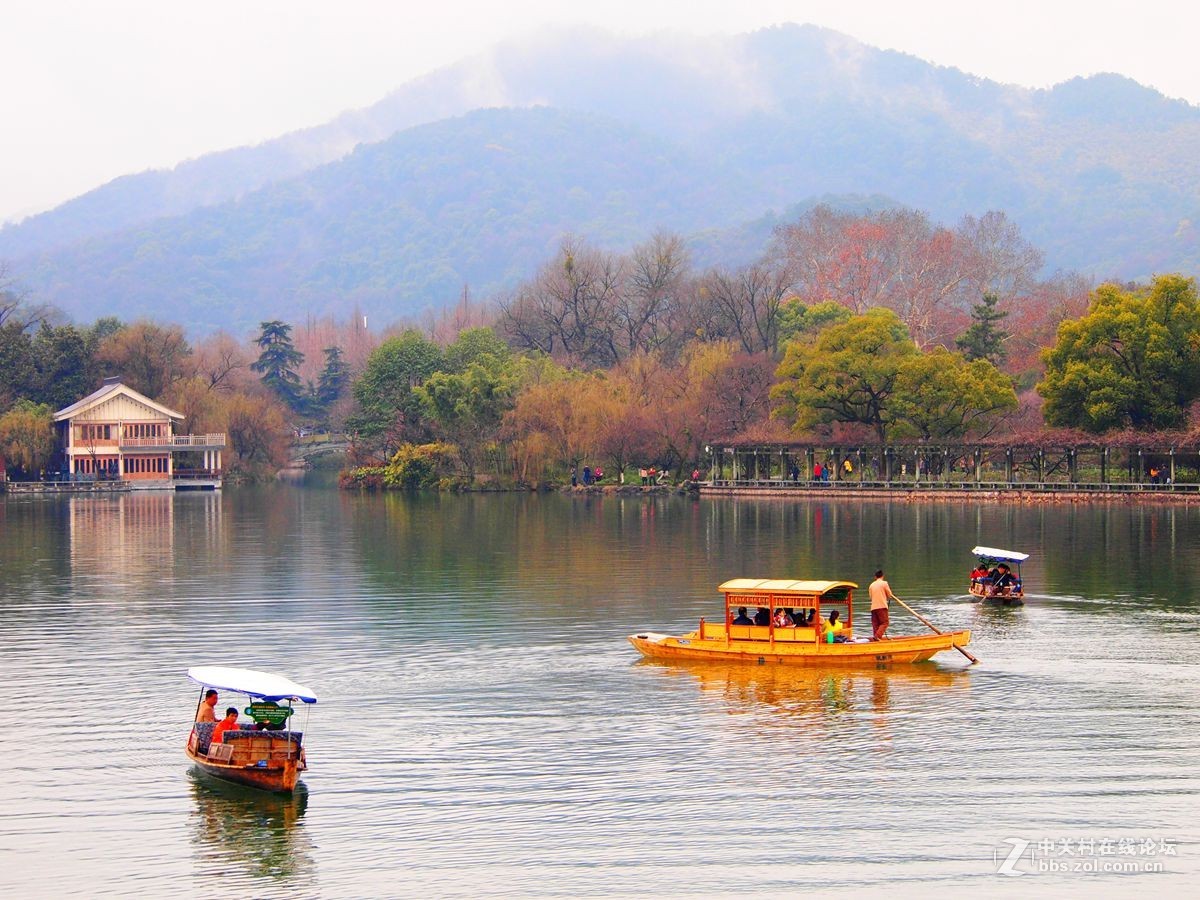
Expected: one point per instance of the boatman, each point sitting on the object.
(205, 712)
(881, 593)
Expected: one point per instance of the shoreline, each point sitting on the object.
(1040, 494)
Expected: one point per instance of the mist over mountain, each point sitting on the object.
(471, 174)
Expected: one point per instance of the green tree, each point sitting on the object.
(1132, 361)
(333, 380)
(278, 362)
(66, 366)
(473, 345)
(389, 413)
(939, 394)
(985, 338)
(467, 407)
(27, 436)
(18, 366)
(849, 374)
(798, 319)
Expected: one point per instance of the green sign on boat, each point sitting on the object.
(271, 713)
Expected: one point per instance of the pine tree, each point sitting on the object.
(985, 339)
(278, 362)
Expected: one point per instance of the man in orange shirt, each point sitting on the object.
(880, 592)
(229, 723)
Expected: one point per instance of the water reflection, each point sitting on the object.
(263, 833)
(808, 693)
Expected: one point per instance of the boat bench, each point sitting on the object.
(763, 633)
(277, 738)
(250, 747)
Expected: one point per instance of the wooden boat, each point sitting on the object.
(265, 754)
(983, 590)
(805, 645)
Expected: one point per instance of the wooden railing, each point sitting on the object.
(177, 441)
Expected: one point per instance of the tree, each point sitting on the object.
(1132, 361)
(389, 414)
(985, 339)
(475, 345)
(743, 305)
(848, 375)
(798, 319)
(27, 436)
(258, 433)
(65, 363)
(562, 412)
(568, 311)
(649, 306)
(333, 380)
(468, 406)
(18, 366)
(278, 362)
(220, 360)
(148, 357)
(939, 395)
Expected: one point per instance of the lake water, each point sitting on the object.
(484, 728)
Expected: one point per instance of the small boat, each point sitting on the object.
(807, 644)
(1011, 591)
(265, 753)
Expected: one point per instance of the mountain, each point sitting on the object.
(471, 174)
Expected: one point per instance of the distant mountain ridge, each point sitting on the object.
(614, 138)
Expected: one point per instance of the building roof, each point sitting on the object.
(112, 388)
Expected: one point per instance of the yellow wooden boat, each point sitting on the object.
(804, 645)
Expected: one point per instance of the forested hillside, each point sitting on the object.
(714, 138)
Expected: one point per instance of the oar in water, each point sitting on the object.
(933, 627)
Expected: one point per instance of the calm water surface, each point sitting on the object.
(484, 729)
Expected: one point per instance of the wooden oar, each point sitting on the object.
(933, 627)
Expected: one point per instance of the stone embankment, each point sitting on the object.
(967, 492)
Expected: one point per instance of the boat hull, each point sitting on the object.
(979, 594)
(898, 650)
(280, 777)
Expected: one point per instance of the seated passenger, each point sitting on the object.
(229, 723)
(799, 618)
(742, 618)
(837, 627)
(762, 617)
(979, 573)
(782, 619)
(1003, 581)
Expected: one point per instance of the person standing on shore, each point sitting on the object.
(881, 593)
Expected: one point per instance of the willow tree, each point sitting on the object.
(27, 436)
(1132, 361)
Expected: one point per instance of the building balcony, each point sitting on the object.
(173, 442)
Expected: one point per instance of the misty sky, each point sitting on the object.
(93, 90)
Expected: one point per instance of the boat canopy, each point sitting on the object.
(251, 683)
(783, 586)
(993, 553)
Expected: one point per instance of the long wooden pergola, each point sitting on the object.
(956, 464)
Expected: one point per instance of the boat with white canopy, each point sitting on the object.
(993, 579)
(264, 752)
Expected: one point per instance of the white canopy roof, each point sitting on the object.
(251, 683)
(993, 553)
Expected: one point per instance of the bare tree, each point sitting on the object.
(743, 305)
(569, 309)
(648, 307)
